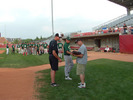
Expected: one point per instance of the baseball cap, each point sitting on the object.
(68, 38)
(76, 41)
(57, 34)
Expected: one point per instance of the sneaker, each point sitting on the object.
(54, 84)
(82, 85)
(68, 78)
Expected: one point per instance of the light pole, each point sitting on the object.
(5, 30)
(52, 17)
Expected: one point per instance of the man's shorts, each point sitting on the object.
(81, 69)
(53, 62)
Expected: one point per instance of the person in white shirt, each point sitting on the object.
(106, 49)
(7, 49)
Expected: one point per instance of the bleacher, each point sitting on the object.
(119, 21)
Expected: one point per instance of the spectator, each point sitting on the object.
(125, 28)
(117, 29)
(131, 29)
(106, 49)
(110, 30)
(113, 30)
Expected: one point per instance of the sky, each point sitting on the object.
(31, 18)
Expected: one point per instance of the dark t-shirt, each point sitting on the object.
(125, 27)
(53, 46)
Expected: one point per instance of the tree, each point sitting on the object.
(16, 41)
(27, 40)
(41, 38)
(37, 38)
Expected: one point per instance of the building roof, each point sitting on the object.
(125, 3)
(96, 35)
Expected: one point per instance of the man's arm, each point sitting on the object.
(82, 53)
(62, 49)
(79, 56)
(56, 56)
(68, 52)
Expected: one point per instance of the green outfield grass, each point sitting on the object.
(105, 79)
(20, 61)
(2, 48)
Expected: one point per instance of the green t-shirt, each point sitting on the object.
(60, 45)
(34, 45)
(38, 45)
(45, 46)
(7, 46)
(13, 47)
(18, 46)
(29, 45)
(25, 45)
(66, 48)
(22, 46)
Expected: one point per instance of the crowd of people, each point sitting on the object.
(29, 48)
(124, 29)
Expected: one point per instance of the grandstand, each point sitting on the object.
(101, 37)
(119, 21)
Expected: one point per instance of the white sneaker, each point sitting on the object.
(82, 85)
(68, 78)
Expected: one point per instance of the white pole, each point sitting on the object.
(5, 30)
(52, 17)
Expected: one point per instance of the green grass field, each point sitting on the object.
(106, 80)
(20, 61)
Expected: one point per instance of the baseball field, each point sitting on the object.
(108, 77)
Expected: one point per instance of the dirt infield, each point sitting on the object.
(2, 51)
(18, 84)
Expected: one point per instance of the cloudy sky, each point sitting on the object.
(31, 18)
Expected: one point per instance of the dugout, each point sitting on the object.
(98, 42)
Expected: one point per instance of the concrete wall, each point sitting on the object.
(111, 41)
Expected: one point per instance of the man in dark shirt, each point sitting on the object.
(125, 29)
(53, 58)
(131, 29)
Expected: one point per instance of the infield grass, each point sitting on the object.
(105, 80)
